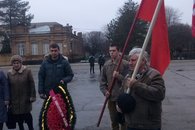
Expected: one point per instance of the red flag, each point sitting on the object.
(193, 20)
(160, 52)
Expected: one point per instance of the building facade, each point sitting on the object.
(32, 43)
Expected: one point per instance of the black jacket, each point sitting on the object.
(51, 72)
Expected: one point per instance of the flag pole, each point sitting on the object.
(193, 19)
(154, 18)
(117, 68)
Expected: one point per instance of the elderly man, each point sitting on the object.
(148, 90)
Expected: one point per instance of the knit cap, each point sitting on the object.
(16, 58)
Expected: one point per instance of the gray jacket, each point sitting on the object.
(52, 72)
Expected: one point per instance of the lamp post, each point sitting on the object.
(71, 50)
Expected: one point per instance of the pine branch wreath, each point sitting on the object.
(50, 118)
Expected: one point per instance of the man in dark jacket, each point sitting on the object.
(92, 64)
(54, 69)
(101, 61)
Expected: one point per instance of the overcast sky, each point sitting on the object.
(92, 15)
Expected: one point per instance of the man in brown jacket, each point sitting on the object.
(105, 82)
(148, 90)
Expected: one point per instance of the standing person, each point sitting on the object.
(92, 64)
(22, 92)
(105, 82)
(54, 69)
(55, 72)
(148, 90)
(101, 61)
(4, 99)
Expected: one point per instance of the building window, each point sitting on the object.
(34, 49)
(45, 48)
(21, 49)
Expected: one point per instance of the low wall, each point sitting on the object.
(5, 60)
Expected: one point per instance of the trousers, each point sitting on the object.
(114, 116)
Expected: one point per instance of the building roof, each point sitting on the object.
(43, 27)
(50, 24)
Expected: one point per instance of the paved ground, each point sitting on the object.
(178, 106)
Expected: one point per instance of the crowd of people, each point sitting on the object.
(17, 90)
(137, 109)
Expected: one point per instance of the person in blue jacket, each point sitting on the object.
(4, 98)
(54, 69)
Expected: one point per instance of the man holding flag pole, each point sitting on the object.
(105, 81)
(148, 91)
(145, 84)
(153, 12)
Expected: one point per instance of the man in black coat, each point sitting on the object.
(54, 69)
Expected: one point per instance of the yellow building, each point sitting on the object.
(32, 43)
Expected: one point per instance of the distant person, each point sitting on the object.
(92, 64)
(106, 80)
(4, 99)
(148, 91)
(22, 92)
(101, 61)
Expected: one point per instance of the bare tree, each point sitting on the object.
(173, 16)
(95, 42)
(181, 41)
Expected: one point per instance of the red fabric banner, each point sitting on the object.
(193, 20)
(160, 52)
(146, 10)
